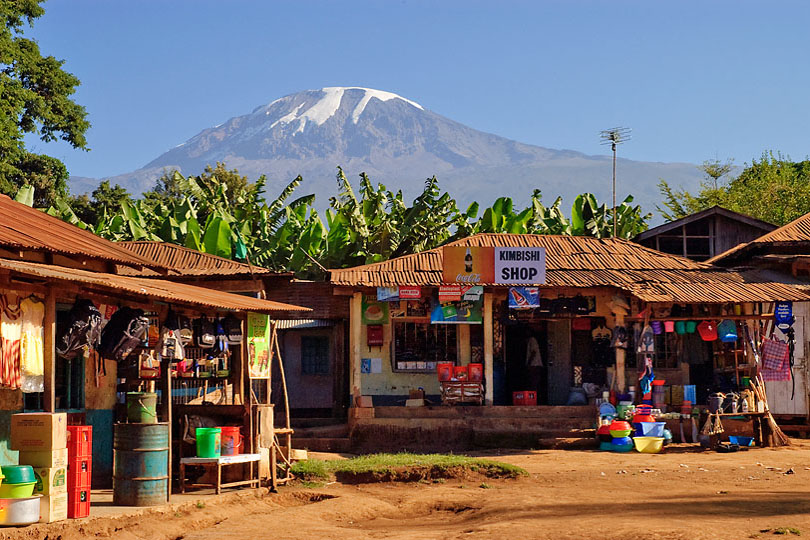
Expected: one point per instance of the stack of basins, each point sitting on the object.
(22, 507)
(649, 435)
(620, 432)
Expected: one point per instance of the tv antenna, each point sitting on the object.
(614, 137)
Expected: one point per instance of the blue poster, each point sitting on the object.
(524, 297)
(783, 314)
(388, 294)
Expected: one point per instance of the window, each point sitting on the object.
(315, 355)
(419, 346)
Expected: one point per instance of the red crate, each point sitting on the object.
(80, 441)
(518, 398)
(79, 472)
(524, 398)
(78, 503)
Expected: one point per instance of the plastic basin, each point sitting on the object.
(16, 491)
(605, 446)
(622, 444)
(649, 445)
(650, 429)
(18, 474)
(620, 433)
(741, 441)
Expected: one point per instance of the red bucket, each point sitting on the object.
(231, 441)
(461, 373)
(444, 371)
(476, 372)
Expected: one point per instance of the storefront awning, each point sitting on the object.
(167, 291)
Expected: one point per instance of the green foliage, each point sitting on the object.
(773, 189)
(222, 213)
(36, 99)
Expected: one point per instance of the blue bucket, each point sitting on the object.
(650, 429)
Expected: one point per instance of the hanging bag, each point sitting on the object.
(83, 329)
(123, 333)
(727, 330)
(205, 332)
(707, 331)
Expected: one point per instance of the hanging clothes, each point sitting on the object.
(10, 334)
(32, 360)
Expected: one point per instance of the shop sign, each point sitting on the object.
(410, 293)
(374, 312)
(520, 265)
(258, 337)
(388, 294)
(468, 264)
(449, 293)
(783, 315)
(524, 297)
(474, 292)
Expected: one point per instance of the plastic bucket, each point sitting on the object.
(209, 442)
(232, 441)
(142, 408)
(476, 372)
(444, 371)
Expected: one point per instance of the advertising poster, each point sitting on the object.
(524, 297)
(388, 294)
(374, 312)
(468, 264)
(258, 334)
(516, 266)
(461, 312)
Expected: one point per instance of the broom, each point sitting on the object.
(778, 437)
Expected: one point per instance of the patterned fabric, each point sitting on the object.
(774, 355)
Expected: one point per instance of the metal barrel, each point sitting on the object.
(141, 470)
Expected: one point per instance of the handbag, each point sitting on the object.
(774, 354)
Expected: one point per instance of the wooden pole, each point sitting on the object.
(355, 375)
(488, 349)
(166, 392)
(49, 351)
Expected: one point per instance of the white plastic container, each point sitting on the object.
(19, 511)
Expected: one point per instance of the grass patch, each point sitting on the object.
(782, 531)
(403, 467)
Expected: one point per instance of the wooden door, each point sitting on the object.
(782, 398)
(558, 360)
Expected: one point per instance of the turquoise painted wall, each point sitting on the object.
(102, 422)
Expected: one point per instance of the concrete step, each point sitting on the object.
(540, 411)
(323, 444)
(314, 422)
(483, 424)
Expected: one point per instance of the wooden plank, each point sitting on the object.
(489, 342)
(49, 351)
(355, 375)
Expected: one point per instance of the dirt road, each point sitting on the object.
(568, 495)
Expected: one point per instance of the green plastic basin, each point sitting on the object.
(18, 474)
(16, 491)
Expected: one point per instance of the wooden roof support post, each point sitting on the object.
(49, 351)
(620, 358)
(488, 348)
(355, 313)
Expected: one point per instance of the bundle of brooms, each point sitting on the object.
(777, 436)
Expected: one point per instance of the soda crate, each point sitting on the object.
(79, 472)
(80, 441)
(78, 503)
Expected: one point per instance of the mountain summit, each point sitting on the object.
(399, 143)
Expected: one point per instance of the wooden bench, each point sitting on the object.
(219, 462)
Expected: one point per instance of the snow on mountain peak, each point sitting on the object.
(328, 105)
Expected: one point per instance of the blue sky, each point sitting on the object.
(694, 80)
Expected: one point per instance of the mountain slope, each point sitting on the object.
(399, 143)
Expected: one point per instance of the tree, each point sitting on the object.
(773, 189)
(104, 199)
(35, 98)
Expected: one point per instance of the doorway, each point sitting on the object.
(526, 345)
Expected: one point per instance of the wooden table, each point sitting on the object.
(763, 437)
(219, 463)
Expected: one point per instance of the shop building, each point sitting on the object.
(574, 322)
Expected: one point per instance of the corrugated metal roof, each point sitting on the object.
(168, 291)
(187, 262)
(795, 232)
(300, 324)
(23, 227)
(577, 261)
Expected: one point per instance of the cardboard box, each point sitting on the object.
(50, 481)
(414, 402)
(45, 458)
(364, 401)
(416, 394)
(38, 431)
(53, 508)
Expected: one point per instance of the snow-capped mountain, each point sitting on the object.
(399, 143)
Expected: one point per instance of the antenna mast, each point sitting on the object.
(614, 137)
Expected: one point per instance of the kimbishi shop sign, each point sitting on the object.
(501, 265)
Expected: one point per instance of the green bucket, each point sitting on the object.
(142, 408)
(209, 440)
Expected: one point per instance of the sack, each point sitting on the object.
(205, 332)
(123, 333)
(233, 330)
(775, 354)
(83, 329)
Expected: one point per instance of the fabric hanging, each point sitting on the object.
(10, 334)
(32, 361)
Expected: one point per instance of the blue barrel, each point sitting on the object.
(141, 470)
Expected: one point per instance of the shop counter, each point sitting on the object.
(218, 463)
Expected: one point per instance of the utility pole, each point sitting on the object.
(614, 137)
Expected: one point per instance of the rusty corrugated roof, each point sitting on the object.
(160, 289)
(578, 261)
(795, 232)
(26, 228)
(187, 262)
